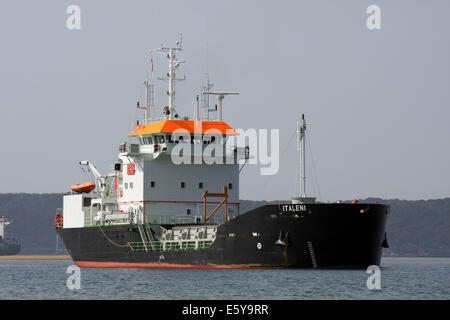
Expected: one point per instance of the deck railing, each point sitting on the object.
(170, 245)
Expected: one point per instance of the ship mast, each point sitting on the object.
(301, 129)
(149, 99)
(301, 133)
(171, 78)
(205, 97)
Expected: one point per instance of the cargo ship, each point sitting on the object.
(173, 201)
(8, 246)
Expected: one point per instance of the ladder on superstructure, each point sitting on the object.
(146, 236)
(141, 232)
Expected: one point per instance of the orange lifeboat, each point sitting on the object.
(83, 188)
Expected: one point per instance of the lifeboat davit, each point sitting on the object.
(83, 188)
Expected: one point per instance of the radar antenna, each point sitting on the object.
(220, 97)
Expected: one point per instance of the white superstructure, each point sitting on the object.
(160, 178)
(3, 223)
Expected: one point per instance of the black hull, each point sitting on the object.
(318, 236)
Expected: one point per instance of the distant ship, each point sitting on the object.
(8, 246)
(152, 212)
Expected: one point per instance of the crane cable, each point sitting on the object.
(284, 151)
(313, 165)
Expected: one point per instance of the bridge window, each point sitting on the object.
(182, 184)
(152, 184)
(230, 186)
(200, 185)
(147, 140)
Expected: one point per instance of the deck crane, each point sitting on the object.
(100, 179)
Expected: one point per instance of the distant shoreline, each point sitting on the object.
(37, 257)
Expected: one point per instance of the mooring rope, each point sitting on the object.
(117, 245)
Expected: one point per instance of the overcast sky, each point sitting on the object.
(376, 101)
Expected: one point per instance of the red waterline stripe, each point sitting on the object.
(96, 264)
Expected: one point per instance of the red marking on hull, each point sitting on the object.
(98, 264)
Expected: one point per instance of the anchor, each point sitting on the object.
(385, 243)
(283, 240)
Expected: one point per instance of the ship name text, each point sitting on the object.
(293, 207)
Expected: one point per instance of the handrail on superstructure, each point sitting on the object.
(215, 195)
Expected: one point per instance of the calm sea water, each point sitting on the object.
(401, 278)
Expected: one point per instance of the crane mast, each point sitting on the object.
(100, 179)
